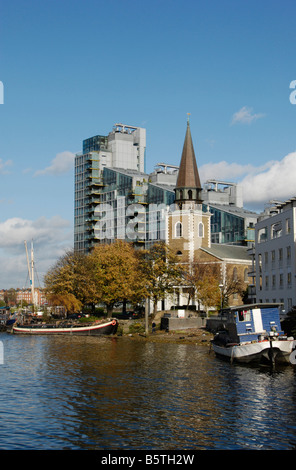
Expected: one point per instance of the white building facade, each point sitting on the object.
(127, 145)
(275, 256)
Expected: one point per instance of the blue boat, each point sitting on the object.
(252, 333)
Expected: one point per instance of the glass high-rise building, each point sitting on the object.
(124, 147)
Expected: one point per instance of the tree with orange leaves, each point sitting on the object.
(115, 274)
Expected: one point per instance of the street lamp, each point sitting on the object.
(221, 290)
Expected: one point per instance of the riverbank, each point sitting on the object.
(135, 330)
(198, 336)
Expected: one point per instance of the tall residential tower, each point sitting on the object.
(124, 147)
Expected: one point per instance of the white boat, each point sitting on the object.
(96, 328)
(252, 333)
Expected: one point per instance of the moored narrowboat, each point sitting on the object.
(96, 328)
(252, 333)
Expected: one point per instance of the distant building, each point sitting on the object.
(275, 255)
(25, 295)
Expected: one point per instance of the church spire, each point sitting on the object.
(188, 187)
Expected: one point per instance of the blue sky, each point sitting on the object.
(72, 69)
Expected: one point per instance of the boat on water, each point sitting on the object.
(252, 333)
(93, 329)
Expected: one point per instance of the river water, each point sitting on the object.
(115, 393)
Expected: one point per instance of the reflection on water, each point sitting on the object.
(104, 393)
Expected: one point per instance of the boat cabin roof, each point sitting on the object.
(252, 306)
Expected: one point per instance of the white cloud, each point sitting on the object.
(245, 116)
(277, 181)
(223, 171)
(51, 238)
(4, 165)
(229, 171)
(210, 142)
(62, 163)
(274, 179)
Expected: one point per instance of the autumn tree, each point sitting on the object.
(69, 281)
(10, 297)
(233, 284)
(67, 300)
(205, 284)
(115, 273)
(203, 281)
(161, 271)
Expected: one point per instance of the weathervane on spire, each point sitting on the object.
(188, 114)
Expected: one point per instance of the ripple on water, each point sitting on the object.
(104, 393)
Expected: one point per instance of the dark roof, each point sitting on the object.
(235, 252)
(239, 211)
(188, 176)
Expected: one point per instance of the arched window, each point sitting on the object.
(201, 230)
(190, 194)
(235, 274)
(178, 230)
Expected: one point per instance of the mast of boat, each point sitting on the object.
(31, 271)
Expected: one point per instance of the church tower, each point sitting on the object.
(188, 188)
(188, 227)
